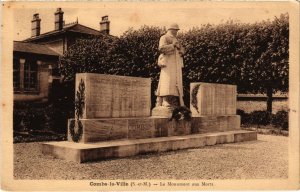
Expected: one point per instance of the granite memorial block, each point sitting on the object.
(115, 96)
(209, 124)
(209, 99)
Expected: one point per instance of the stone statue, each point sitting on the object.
(171, 63)
(170, 86)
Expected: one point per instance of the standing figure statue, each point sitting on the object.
(171, 63)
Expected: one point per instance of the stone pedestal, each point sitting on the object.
(165, 111)
(105, 129)
(162, 111)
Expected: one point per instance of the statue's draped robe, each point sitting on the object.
(170, 80)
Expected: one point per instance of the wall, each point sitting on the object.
(261, 105)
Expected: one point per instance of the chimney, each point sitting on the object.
(104, 25)
(59, 19)
(35, 25)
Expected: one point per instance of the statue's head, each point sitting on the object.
(173, 29)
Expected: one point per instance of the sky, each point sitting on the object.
(137, 15)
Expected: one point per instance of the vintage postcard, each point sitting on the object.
(150, 95)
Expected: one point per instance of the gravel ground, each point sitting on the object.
(262, 159)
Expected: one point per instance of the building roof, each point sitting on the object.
(40, 49)
(73, 27)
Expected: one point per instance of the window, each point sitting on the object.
(16, 74)
(30, 75)
(25, 75)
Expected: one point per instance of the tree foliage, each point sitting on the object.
(252, 56)
(135, 53)
(86, 55)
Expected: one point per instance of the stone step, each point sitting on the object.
(83, 152)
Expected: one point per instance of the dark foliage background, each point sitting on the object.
(262, 118)
(252, 56)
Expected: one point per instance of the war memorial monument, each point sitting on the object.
(113, 116)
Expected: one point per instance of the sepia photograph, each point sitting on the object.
(150, 96)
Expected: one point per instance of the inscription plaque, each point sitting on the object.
(214, 99)
(141, 128)
(115, 96)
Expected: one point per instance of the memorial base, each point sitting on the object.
(80, 152)
(162, 111)
(104, 129)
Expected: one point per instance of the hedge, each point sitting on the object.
(252, 56)
(31, 117)
(259, 118)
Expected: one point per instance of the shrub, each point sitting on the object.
(281, 119)
(56, 119)
(260, 118)
(20, 113)
(35, 118)
(245, 117)
(18, 119)
(29, 116)
(278, 120)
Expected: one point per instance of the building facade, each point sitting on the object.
(35, 59)
(32, 67)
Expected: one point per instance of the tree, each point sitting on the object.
(252, 56)
(87, 55)
(267, 70)
(135, 53)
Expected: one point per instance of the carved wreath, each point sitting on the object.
(194, 97)
(79, 106)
